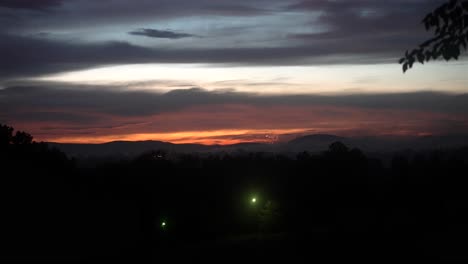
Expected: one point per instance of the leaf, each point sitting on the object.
(456, 53)
(445, 20)
(444, 16)
(446, 55)
(421, 58)
(428, 55)
(465, 5)
(458, 12)
(449, 22)
(452, 4)
(426, 43)
(427, 18)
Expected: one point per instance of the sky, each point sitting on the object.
(223, 72)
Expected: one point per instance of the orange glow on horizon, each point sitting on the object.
(231, 124)
(215, 137)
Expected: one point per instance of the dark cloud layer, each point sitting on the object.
(30, 4)
(48, 56)
(23, 56)
(390, 25)
(111, 101)
(155, 33)
(93, 13)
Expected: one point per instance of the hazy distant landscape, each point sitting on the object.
(311, 143)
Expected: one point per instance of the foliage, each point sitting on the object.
(19, 151)
(7, 137)
(450, 25)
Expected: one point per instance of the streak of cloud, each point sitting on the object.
(164, 34)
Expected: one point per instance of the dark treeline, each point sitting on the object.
(336, 205)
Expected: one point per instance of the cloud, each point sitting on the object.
(24, 56)
(30, 4)
(154, 33)
(367, 25)
(91, 13)
(354, 32)
(119, 101)
(140, 103)
(80, 113)
(52, 56)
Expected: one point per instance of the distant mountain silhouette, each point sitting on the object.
(315, 138)
(311, 143)
(122, 148)
(316, 142)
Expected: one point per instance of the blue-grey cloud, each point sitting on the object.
(393, 24)
(30, 4)
(26, 56)
(92, 13)
(155, 33)
(50, 56)
(363, 31)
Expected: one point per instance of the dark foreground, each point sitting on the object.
(116, 214)
(289, 248)
(336, 206)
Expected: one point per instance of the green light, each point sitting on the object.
(163, 224)
(254, 200)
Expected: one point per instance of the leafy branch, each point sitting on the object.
(450, 25)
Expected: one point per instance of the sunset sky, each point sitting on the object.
(222, 71)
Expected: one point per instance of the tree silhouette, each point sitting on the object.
(338, 148)
(19, 138)
(22, 138)
(6, 135)
(450, 24)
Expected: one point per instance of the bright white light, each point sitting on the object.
(335, 79)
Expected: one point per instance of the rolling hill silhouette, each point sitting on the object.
(311, 143)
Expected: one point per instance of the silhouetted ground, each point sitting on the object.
(337, 206)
